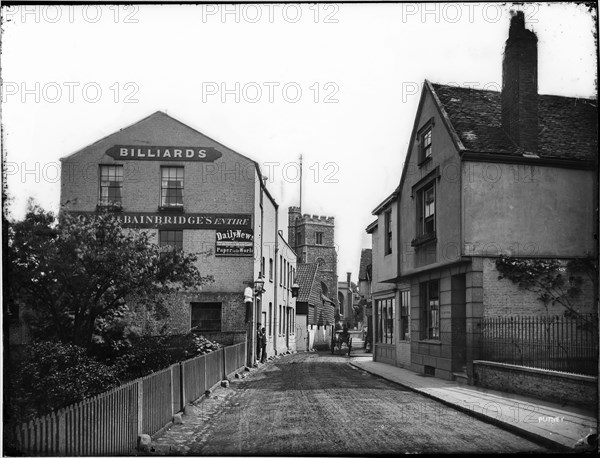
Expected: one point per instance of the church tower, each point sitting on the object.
(312, 238)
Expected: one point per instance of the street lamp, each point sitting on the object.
(258, 286)
(295, 289)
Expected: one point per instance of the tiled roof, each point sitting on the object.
(365, 260)
(567, 125)
(305, 276)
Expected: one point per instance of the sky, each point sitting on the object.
(337, 83)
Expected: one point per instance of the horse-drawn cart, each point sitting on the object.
(339, 339)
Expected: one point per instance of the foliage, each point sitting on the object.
(77, 274)
(553, 283)
(151, 354)
(54, 375)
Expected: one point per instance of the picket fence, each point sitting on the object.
(110, 423)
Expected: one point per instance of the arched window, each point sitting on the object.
(324, 289)
(341, 302)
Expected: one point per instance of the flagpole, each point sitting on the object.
(301, 184)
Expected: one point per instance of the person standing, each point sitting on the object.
(263, 346)
(259, 336)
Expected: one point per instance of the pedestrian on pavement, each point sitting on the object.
(258, 340)
(263, 346)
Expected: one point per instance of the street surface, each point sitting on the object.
(316, 403)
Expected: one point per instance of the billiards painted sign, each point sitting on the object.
(222, 221)
(156, 153)
(234, 242)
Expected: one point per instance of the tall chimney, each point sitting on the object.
(519, 85)
(348, 276)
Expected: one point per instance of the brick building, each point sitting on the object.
(486, 174)
(195, 194)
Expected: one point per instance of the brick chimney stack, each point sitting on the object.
(519, 85)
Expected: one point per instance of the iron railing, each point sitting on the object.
(547, 342)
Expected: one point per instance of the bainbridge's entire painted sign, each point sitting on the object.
(172, 153)
(181, 221)
(234, 242)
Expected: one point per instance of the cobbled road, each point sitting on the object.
(318, 404)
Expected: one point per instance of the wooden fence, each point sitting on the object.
(110, 423)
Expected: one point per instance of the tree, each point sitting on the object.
(77, 272)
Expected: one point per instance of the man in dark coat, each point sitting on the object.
(259, 336)
(263, 346)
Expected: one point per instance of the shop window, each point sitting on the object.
(430, 309)
(206, 316)
(111, 186)
(385, 320)
(404, 329)
(388, 231)
(171, 188)
(170, 240)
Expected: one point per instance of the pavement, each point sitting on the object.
(551, 424)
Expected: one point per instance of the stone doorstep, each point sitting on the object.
(460, 377)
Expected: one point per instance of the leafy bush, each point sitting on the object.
(54, 375)
(151, 354)
(145, 355)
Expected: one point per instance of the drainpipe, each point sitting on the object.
(275, 299)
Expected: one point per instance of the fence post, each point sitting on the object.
(140, 407)
(182, 397)
(172, 388)
(62, 433)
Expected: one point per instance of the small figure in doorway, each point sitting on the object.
(263, 345)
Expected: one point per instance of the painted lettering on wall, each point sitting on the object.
(186, 221)
(172, 153)
(234, 242)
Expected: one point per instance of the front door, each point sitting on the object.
(459, 323)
